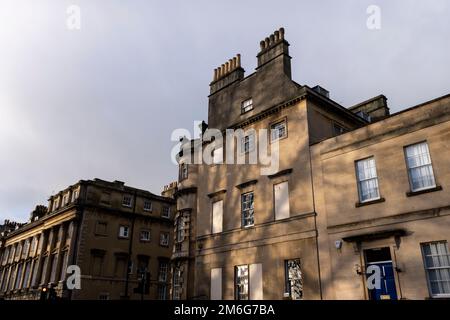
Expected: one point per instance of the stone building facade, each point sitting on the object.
(120, 237)
(356, 189)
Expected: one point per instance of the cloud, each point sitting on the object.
(103, 101)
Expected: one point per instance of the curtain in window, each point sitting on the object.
(419, 166)
(437, 263)
(367, 179)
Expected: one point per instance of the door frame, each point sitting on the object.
(378, 245)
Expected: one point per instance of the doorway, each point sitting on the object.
(381, 257)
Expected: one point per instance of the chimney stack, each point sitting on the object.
(227, 73)
(275, 49)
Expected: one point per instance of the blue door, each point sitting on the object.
(387, 290)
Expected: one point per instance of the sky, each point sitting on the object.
(101, 100)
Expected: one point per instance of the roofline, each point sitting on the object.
(420, 105)
(367, 101)
(423, 104)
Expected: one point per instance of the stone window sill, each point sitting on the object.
(416, 193)
(361, 204)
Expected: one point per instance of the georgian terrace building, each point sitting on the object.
(356, 187)
(117, 235)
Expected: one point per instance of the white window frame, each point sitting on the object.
(247, 213)
(164, 210)
(290, 279)
(177, 284)
(148, 206)
(179, 229)
(246, 105)
(163, 240)
(183, 171)
(163, 271)
(242, 279)
(124, 232)
(125, 202)
(428, 269)
(162, 291)
(145, 239)
(410, 169)
(248, 142)
(275, 131)
(360, 180)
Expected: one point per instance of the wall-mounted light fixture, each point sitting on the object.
(358, 269)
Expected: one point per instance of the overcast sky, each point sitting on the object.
(102, 101)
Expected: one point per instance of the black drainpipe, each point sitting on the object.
(129, 261)
(80, 214)
(315, 224)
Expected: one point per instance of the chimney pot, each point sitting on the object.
(267, 42)
(239, 60)
(282, 33)
(262, 44)
(272, 39)
(277, 36)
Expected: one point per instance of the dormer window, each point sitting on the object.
(247, 105)
(364, 115)
(55, 204)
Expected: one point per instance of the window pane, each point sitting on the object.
(438, 267)
(419, 166)
(367, 179)
(242, 282)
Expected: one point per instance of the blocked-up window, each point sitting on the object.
(216, 284)
(366, 174)
(218, 155)
(217, 216)
(281, 196)
(437, 265)
(293, 279)
(101, 228)
(420, 170)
